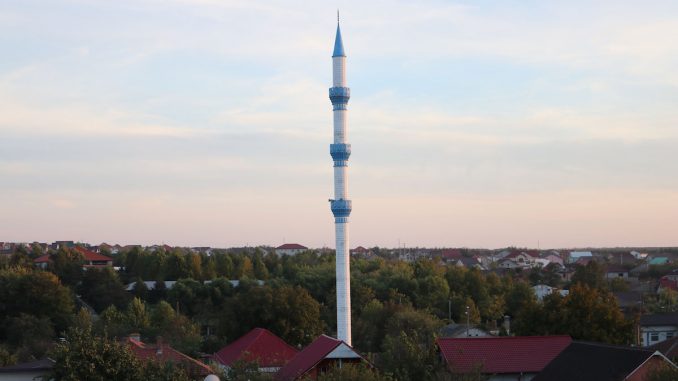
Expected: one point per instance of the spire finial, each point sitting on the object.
(337, 16)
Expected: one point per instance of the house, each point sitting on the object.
(90, 259)
(659, 261)
(622, 258)
(628, 301)
(503, 358)
(542, 290)
(669, 281)
(113, 249)
(583, 261)
(638, 255)
(576, 255)
(655, 328)
(361, 251)
(27, 371)
(584, 361)
(7, 248)
(56, 245)
(318, 357)
(164, 353)
(616, 272)
(258, 345)
(553, 258)
(290, 249)
(521, 258)
(470, 263)
(462, 330)
(450, 255)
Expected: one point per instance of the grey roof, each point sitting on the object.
(584, 361)
(44, 364)
(659, 319)
(338, 44)
(150, 284)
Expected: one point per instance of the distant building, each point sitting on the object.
(90, 259)
(616, 272)
(56, 245)
(360, 251)
(659, 261)
(290, 249)
(451, 255)
(576, 255)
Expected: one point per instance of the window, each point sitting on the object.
(654, 336)
(669, 335)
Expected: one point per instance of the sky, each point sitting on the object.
(207, 122)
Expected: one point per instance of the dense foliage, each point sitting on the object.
(398, 308)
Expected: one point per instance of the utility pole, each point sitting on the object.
(467, 321)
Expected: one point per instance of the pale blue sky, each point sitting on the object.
(207, 122)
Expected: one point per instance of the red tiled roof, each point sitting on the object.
(668, 348)
(665, 282)
(291, 246)
(451, 254)
(163, 352)
(519, 354)
(308, 358)
(42, 259)
(92, 256)
(583, 261)
(360, 249)
(259, 345)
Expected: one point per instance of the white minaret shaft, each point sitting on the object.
(341, 205)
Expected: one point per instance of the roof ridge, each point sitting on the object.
(612, 346)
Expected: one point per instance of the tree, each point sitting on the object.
(158, 293)
(296, 315)
(408, 350)
(585, 314)
(137, 316)
(36, 293)
(67, 265)
(242, 370)
(83, 356)
(140, 289)
(177, 329)
(30, 335)
(407, 358)
(353, 372)
(101, 288)
(592, 275)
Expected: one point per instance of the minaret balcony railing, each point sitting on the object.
(341, 207)
(340, 95)
(340, 152)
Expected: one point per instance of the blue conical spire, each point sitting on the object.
(338, 43)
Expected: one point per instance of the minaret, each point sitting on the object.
(341, 205)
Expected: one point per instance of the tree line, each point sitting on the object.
(398, 308)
